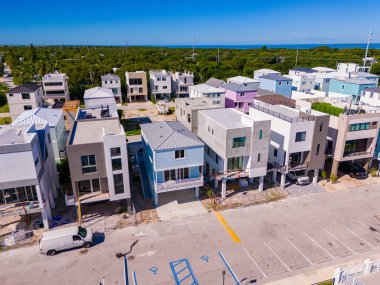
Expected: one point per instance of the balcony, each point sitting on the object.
(173, 185)
(87, 198)
(356, 153)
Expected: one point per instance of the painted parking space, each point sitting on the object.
(368, 234)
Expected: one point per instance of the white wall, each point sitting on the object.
(370, 98)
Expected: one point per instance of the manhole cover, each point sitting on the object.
(131, 258)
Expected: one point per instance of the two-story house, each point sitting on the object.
(303, 79)
(297, 139)
(371, 97)
(54, 119)
(350, 87)
(28, 173)
(24, 97)
(236, 146)
(112, 82)
(173, 157)
(181, 82)
(137, 87)
(56, 88)
(276, 83)
(246, 81)
(205, 90)
(98, 158)
(160, 82)
(238, 96)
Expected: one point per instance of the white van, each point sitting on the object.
(65, 238)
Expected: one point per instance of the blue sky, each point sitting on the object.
(168, 22)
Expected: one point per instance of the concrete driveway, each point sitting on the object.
(179, 204)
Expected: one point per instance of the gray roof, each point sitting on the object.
(229, 118)
(169, 135)
(276, 77)
(110, 76)
(357, 80)
(304, 69)
(237, 87)
(25, 88)
(214, 82)
(39, 115)
(375, 89)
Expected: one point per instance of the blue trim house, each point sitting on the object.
(352, 87)
(276, 83)
(173, 157)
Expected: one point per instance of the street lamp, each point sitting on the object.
(124, 255)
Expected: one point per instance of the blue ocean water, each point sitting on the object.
(288, 46)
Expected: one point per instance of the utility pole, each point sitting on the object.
(126, 47)
(369, 40)
(193, 56)
(297, 57)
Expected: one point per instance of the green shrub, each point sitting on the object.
(153, 99)
(324, 174)
(373, 172)
(327, 108)
(333, 179)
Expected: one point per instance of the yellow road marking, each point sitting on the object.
(233, 235)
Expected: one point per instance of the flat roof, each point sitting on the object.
(54, 76)
(93, 130)
(267, 70)
(159, 72)
(229, 118)
(205, 88)
(15, 134)
(197, 103)
(243, 79)
(359, 81)
(276, 77)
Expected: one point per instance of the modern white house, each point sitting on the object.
(98, 158)
(181, 81)
(98, 97)
(137, 87)
(246, 81)
(371, 97)
(56, 88)
(160, 82)
(264, 71)
(346, 67)
(237, 146)
(323, 69)
(28, 173)
(303, 79)
(24, 97)
(54, 118)
(322, 80)
(205, 90)
(297, 139)
(112, 82)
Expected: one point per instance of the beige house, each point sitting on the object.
(137, 86)
(24, 97)
(98, 158)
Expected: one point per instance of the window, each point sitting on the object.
(135, 81)
(321, 127)
(76, 238)
(238, 142)
(170, 175)
(25, 96)
(10, 95)
(279, 83)
(111, 82)
(235, 163)
(188, 118)
(116, 164)
(183, 173)
(165, 87)
(242, 94)
(105, 82)
(28, 107)
(342, 87)
(300, 136)
(158, 78)
(318, 147)
(140, 90)
(260, 134)
(258, 157)
(287, 82)
(359, 127)
(54, 83)
(88, 163)
(179, 154)
(115, 151)
(370, 95)
(118, 183)
(275, 152)
(163, 78)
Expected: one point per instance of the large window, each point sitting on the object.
(238, 142)
(300, 136)
(359, 127)
(53, 83)
(318, 149)
(179, 154)
(19, 194)
(118, 183)
(88, 163)
(56, 92)
(25, 96)
(135, 81)
(115, 151)
(235, 163)
(28, 107)
(260, 134)
(170, 175)
(116, 164)
(183, 173)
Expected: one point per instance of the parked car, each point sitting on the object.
(353, 170)
(299, 177)
(65, 238)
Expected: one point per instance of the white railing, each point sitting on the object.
(347, 275)
(178, 184)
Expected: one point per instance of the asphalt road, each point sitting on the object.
(262, 243)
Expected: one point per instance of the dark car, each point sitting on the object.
(353, 170)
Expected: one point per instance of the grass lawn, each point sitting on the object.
(5, 121)
(82, 104)
(327, 108)
(327, 282)
(133, 133)
(4, 109)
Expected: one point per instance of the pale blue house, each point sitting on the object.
(351, 86)
(276, 83)
(173, 157)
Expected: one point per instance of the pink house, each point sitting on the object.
(238, 96)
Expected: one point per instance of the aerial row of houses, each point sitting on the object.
(253, 128)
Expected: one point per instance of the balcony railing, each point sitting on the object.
(172, 185)
(356, 153)
(264, 109)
